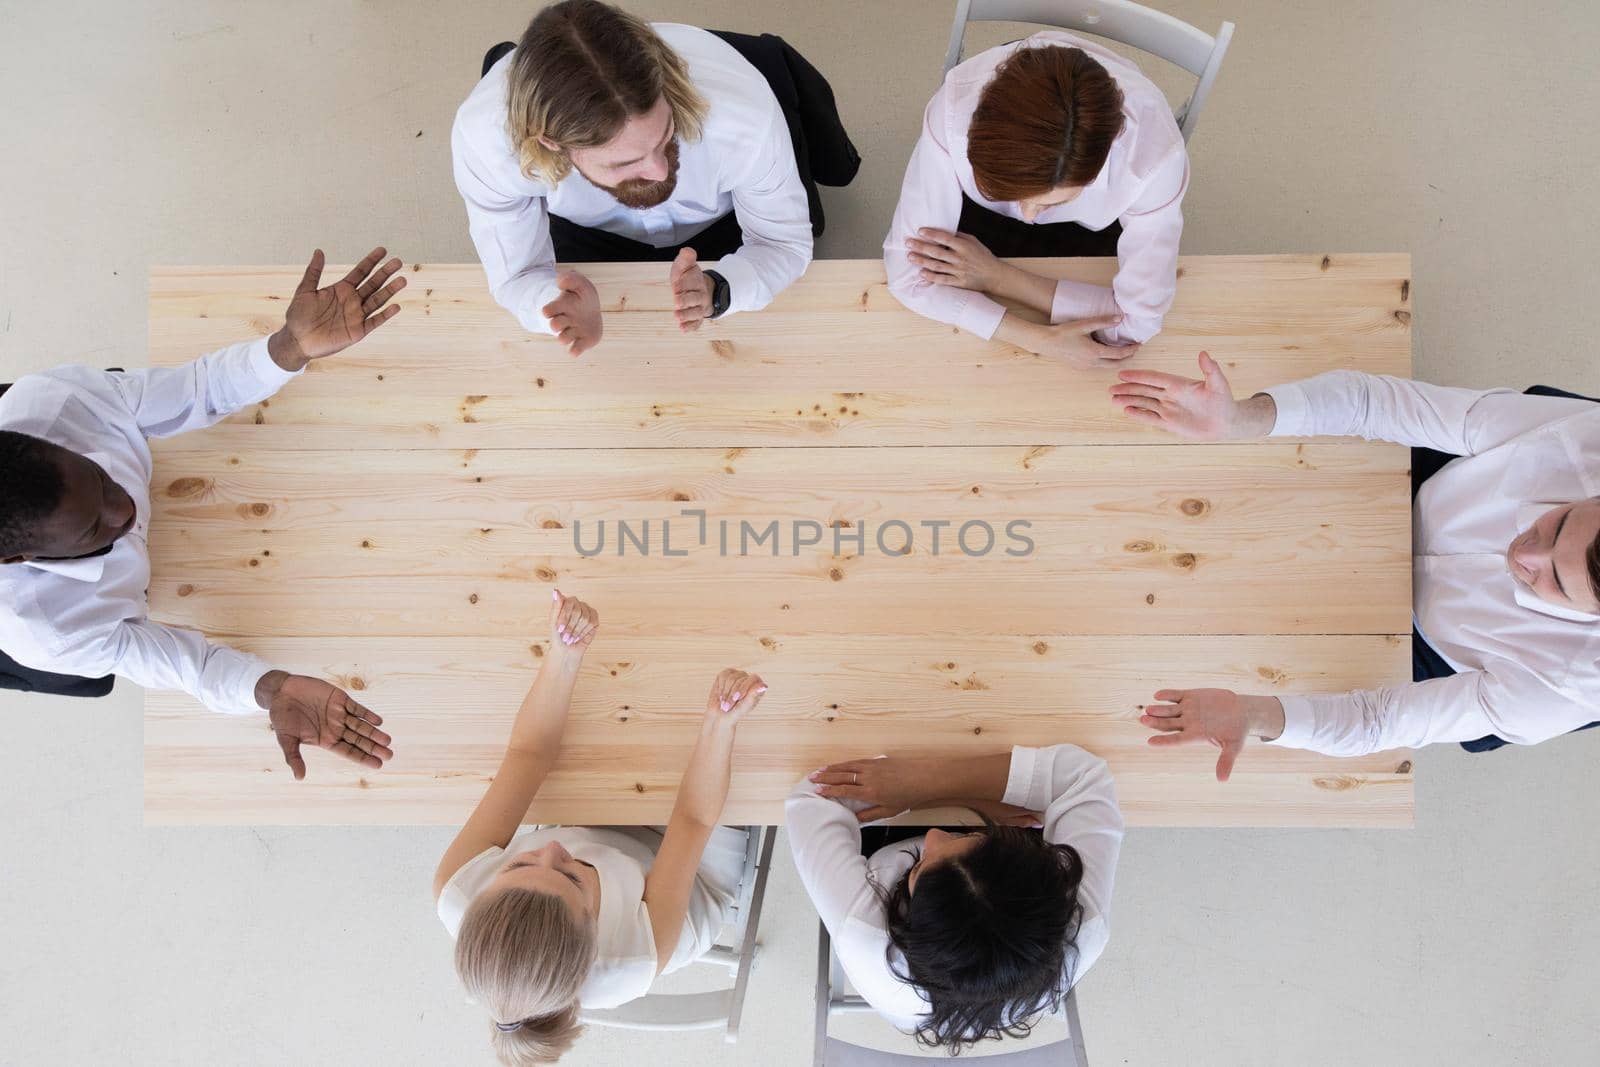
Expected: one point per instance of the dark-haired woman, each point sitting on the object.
(962, 937)
(1049, 146)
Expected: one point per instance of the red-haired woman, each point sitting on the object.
(1049, 146)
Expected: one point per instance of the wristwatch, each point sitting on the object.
(720, 296)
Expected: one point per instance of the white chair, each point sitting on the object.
(1118, 20)
(832, 999)
(717, 1008)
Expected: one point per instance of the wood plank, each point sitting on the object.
(450, 702)
(452, 543)
(831, 363)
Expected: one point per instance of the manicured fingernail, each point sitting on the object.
(735, 697)
(561, 627)
(814, 775)
(555, 595)
(761, 689)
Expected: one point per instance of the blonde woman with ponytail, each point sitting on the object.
(551, 920)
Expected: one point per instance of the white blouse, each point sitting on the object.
(1073, 789)
(625, 965)
(1142, 185)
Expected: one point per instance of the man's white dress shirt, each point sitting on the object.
(1071, 787)
(744, 162)
(1142, 185)
(1528, 670)
(88, 616)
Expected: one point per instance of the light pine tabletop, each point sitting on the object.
(742, 496)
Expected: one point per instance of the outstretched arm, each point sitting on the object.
(698, 808)
(535, 739)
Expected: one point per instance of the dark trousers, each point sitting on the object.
(14, 675)
(1008, 238)
(1425, 662)
(585, 244)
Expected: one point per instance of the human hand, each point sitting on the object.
(888, 785)
(1074, 342)
(575, 314)
(573, 623)
(1219, 717)
(733, 694)
(304, 710)
(691, 291)
(956, 259)
(320, 322)
(1204, 410)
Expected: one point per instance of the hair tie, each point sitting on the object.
(507, 1028)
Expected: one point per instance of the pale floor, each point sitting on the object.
(229, 133)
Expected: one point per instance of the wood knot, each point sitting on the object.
(1272, 674)
(537, 650)
(1336, 783)
(977, 729)
(259, 510)
(477, 398)
(1194, 506)
(1183, 560)
(783, 607)
(971, 681)
(366, 544)
(544, 574)
(362, 783)
(186, 487)
(185, 589)
(977, 490)
(358, 684)
(835, 573)
(681, 497)
(1404, 768)
(552, 524)
(1149, 598)
(1040, 647)
(472, 598)
(539, 382)
(638, 787)
(1403, 317)
(1139, 546)
(723, 348)
(1405, 290)
(255, 562)
(768, 643)
(1327, 261)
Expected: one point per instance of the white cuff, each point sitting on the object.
(1294, 410)
(1299, 723)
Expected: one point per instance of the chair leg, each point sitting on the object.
(824, 995)
(751, 922)
(1075, 1030)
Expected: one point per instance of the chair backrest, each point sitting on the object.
(1131, 24)
(717, 1008)
(829, 1051)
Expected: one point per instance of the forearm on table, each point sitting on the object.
(1256, 416)
(1263, 717)
(703, 791)
(969, 778)
(542, 719)
(1024, 287)
(1016, 330)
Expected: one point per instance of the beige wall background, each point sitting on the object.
(215, 132)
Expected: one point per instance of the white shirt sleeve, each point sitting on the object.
(774, 216)
(826, 841)
(1378, 407)
(158, 656)
(930, 196)
(1075, 791)
(1147, 263)
(512, 235)
(1509, 703)
(171, 400)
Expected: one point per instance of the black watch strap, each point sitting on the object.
(721, 296)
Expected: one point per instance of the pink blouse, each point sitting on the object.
(1142, 184)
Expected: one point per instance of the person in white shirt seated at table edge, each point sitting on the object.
(963, 937)
(1049, 146)
(74, 520)
(1506, 562)
(656, 142)
(552, 919)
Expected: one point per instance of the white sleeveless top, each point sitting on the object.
(625, 965)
